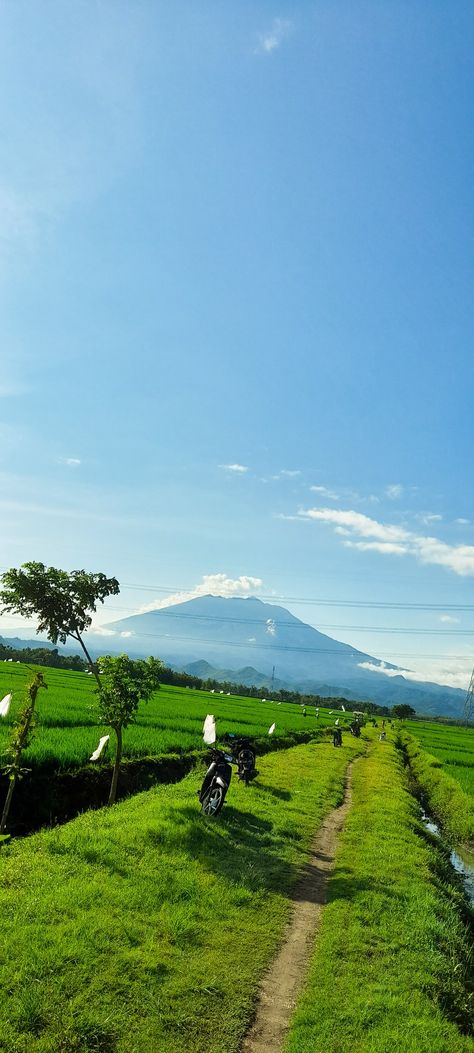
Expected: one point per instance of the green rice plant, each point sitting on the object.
(171, 722)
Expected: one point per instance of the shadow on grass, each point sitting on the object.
(283, 795)
(243, 849)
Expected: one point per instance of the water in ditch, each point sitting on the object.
(461, 866)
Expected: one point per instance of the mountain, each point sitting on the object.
(23, 645)
(228, 633)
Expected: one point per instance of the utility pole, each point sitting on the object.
(273, 679)
(469, 703)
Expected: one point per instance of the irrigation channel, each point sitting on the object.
(460, 865)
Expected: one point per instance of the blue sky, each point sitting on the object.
(240, 236)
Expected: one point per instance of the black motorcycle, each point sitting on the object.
(216, 782)
(244, 756)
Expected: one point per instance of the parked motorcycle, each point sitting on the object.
(216, 782)
(244, 755)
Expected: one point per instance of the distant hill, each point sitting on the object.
(233, 633)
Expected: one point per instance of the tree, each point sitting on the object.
(403, 711)
(21, 737)
(123, 684)
(62, 601)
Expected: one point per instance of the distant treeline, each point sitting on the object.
(42, 656)
(51, 657)
(170, 676)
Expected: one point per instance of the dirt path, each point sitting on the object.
(283, 983)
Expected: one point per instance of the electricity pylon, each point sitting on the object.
(469, 703)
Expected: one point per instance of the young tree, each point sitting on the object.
(21, 737)
(403, 711)
(123, 684)
(62, 601)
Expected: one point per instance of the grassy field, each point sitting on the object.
(454, 746)
(393, 968)
(146, 927)
(68, 729)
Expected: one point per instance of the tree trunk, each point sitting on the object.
(8, 801)
(115, 773)
(77, 636)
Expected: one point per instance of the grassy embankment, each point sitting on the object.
(394, 962)
(449, 803)
(146, 927)
(454, 746)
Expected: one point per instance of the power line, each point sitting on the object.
(385, 604)
(354, 652)
(170, 613)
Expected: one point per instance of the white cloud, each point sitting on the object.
(395, 540)
(100, 631)
(394, 491)
(211, 584)
(449, 620)
(462, 522)
(453, 673)
(357, 522)
(330, 494)
(271, 627)
(126, 635)
(71, 462)
(239, 468)
(272, 39)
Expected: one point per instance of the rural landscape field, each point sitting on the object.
(237, 526)
(127, 917)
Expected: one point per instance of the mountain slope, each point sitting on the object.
(232, 632)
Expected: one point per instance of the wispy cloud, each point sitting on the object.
(239, 469)
(363, 533)
(448, 619)
(71, 462)
(428, 517)
(272, 39)
(323, 490)
(462, 522)
(286, 473)
(394, 491)
(211, 584)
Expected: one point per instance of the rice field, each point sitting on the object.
(68, 727)
(454, 746)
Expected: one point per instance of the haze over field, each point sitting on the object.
(236, 270)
